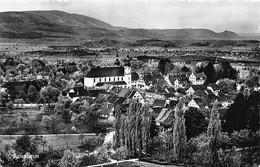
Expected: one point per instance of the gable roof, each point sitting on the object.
(214, 86)
(156, 111)
(168, 119)
(160, 82)
(115, 89)
(120, 100)
(124, 92)
(161, 114)
(179, 77)
(105, 72)
(170, 90)
(198, 87)
(200, 75)
(200, 102)
(111, 83)
(106, 109)
(95, 93)
(131, 94)
(81, 91)
(159, 103)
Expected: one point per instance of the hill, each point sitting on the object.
(58, 24)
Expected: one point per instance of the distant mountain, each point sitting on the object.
(58, 24)
(250, 36)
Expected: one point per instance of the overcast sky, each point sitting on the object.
(238, 16)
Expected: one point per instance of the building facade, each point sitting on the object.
(100, 77)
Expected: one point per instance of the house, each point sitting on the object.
(159, 103)
(138, 81)
(160, 83)
(197, 78)
(178, 81)
(109, 76)
(193, 88)
(165, 119)
(226, 99)
(244, 73)
(170, 90)
(170, 96)
(213, 88)
(131, 94)
(107, 110)
(137, 96)
(150, 97)
(197, 103)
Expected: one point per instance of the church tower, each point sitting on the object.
(128, 77)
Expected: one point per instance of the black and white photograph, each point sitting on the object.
(130, 83)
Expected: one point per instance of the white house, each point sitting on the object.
(138, 81)
(197, 103)
(197, 78)
(116, 76)
(193, 88)
(178, 81)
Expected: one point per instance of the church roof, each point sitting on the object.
(105, 72)
(111, 83)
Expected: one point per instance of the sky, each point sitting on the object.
(241, 16)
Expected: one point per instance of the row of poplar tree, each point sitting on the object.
(133, 131)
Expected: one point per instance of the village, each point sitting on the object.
(87, 96)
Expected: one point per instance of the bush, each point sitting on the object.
(88, 160)
(121, 153)
(231, 158)
(91, 144)
(69, 159)
(197, 151)
(26, 144)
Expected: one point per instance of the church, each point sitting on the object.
(102, 77)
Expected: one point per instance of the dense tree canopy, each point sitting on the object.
(195, 122)
(162, 65)
(243, 113)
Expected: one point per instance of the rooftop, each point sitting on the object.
(105, 72)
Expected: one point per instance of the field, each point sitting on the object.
(56, 141)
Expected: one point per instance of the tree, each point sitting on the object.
(22, 95)
(66, 116)
(195, 122)
(236, 115)
(132, 129)
(179, 132)
(153, 130)
(32, 94)
(54, 124)
(9, 106)
(69, 159)
(227, 85)
(49, 95)
(213, 133)
(253, 108)
(26, 144)
(210, 72)
(46, 121)
(227, 71)
(162, 65)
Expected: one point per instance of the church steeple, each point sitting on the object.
(117, 62)
(127, 61)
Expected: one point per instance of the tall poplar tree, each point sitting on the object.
(213, 134)
(179, 131)
(132, 129)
